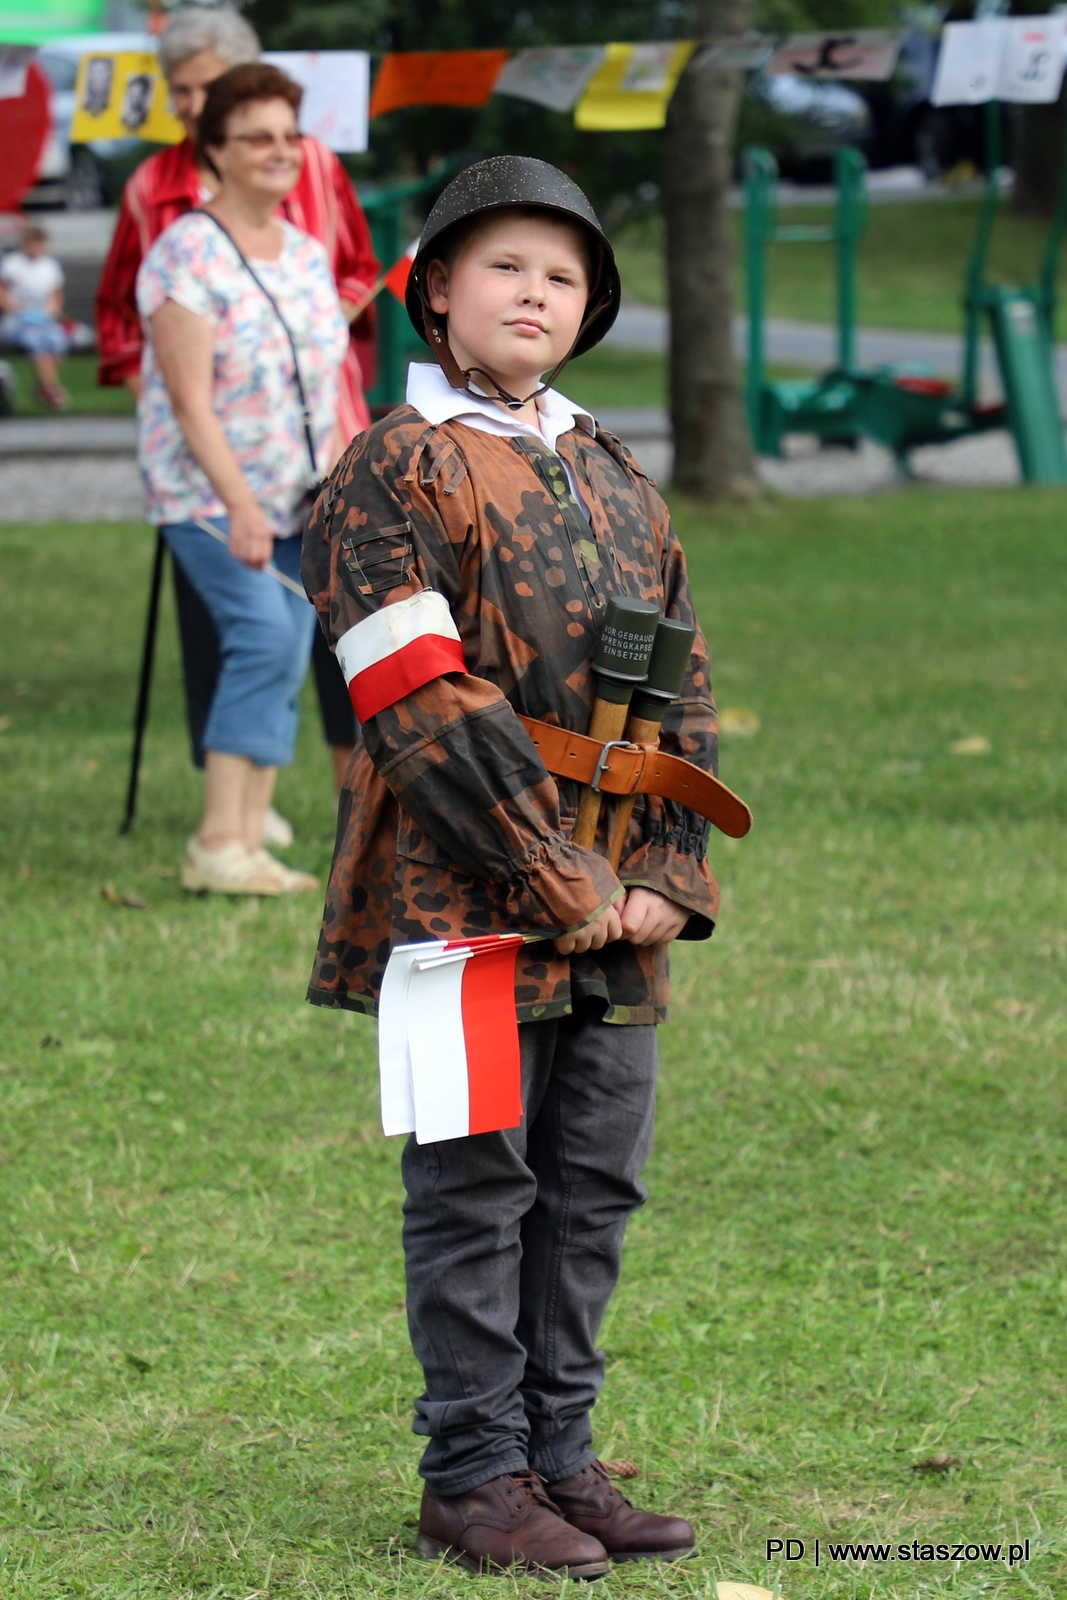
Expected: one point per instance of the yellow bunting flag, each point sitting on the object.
(633, 87)
(122, 93)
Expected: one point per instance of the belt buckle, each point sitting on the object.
(602, 759)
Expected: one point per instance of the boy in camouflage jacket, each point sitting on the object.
(461, 558)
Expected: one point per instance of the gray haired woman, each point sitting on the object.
(197, 46)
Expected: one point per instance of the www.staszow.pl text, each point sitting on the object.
(819, 1550)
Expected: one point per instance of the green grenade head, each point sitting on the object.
(671, 649)
(621, 660)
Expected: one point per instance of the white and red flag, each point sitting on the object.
(396, 279)
(448, 1038)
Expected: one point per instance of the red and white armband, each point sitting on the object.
(396, 650)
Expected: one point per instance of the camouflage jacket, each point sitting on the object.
(449, 825)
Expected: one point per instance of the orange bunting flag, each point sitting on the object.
(436, 78)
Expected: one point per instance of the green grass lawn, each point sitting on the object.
(911, 264)
(854, 1254)
(607, 377)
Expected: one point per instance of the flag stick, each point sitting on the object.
(371, 294)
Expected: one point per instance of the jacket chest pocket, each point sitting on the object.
(377, 559)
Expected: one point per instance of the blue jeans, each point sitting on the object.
(35, 332)
(265, 634)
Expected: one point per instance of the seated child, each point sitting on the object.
(31, 299)
(502, 520)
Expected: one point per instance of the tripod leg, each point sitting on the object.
(145, 687)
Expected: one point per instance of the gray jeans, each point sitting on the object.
(513, 1244)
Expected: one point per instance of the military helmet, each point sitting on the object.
(519, 181)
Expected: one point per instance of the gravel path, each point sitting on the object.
(987, 461)
(71, 488)
(107, 487)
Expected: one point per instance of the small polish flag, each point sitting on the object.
(448, 1038)
(396, 279)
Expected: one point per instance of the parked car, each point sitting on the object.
(82, 175)
(907, 130)
(803, 120)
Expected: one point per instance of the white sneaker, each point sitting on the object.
(288, 880)
(277, 830)
(232, 869)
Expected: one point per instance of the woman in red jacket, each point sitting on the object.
(197, 46)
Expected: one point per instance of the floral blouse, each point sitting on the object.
(254, 396)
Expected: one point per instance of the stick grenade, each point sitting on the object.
(144, 688)
(620, 664)
(671, 649)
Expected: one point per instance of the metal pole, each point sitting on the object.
(1048, 287)
(977, 264)
(850, 171)
(144, 690)
(761, 178)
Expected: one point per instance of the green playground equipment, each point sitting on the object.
(827, 406)
(398, 343)
(905, 406)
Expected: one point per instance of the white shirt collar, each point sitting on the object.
(430, 392)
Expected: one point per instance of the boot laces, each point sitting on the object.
(531, 1486)
(603, 1477)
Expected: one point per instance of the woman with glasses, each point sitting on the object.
(243, 325)
(199, 44)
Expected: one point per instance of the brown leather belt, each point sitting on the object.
(620, 768)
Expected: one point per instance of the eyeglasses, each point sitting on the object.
(265, 141)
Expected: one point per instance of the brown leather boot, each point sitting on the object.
(590, 1501)
(507, 1523)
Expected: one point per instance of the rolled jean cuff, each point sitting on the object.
(449, 1484)
(555, 1465)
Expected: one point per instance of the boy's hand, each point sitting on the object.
(648, 917)
(605, 929)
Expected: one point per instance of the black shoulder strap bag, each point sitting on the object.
(305, 412)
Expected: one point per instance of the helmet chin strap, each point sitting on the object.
(460, 378)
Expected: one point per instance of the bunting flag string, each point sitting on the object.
(609, 87)
(618, 87)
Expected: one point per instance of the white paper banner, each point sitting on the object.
(1019, 59)
(1031, 69)
(336, 85)
(968, 63)
(867, 55)
(555, 78)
